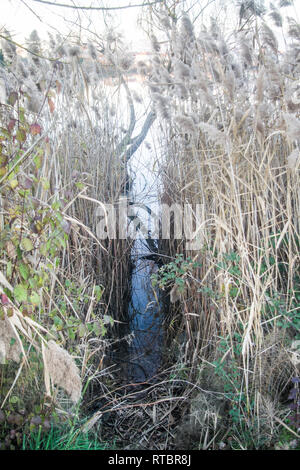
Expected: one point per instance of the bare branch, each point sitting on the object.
(127, 138)
(141, 137)
(46, 2)
(30, 9)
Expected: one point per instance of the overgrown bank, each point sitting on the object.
(228, 107)
(61, 288)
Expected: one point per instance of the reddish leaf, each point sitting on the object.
(51, 105)
(58, 86)
(3, 159)
(11, 125)
(27, 182)
(66, 226)
(4, 299)
(35, 129)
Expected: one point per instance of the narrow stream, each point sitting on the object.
(145, 307)
(145, 317)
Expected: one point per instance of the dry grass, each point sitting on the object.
(231, 143)
(228, 106)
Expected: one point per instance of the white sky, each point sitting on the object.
(20, 17)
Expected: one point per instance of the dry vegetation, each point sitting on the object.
(228, 105)
(229, 109)
(59, 283)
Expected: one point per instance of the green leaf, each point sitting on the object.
(14, 399)
(233, 292)
(38, 161)
(45, 183)
(26, 244)
(5, 132)
(71, 333)
(13, 183)
(12, 98)
(108, 319)
(21, 114)
(33, 282)
(81, 330)
(58, 322)
(35, 298)
(44, 249)
(21, 135)
(96, 329)
(98, 292)
(24, 271)
(20, 293)
(103, 329)
(9, 269)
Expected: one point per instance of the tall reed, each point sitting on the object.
(229, 107)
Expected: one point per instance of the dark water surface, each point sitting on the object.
(145, 317)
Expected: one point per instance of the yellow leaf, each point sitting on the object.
(13, 183)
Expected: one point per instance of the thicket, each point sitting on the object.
(228, 103)
(61, 288)
(228, 107)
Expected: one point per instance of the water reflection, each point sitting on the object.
(145, 318)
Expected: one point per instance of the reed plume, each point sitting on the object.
(62, 370)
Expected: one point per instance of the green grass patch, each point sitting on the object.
(64, 439)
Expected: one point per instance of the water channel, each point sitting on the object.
(145, 309)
